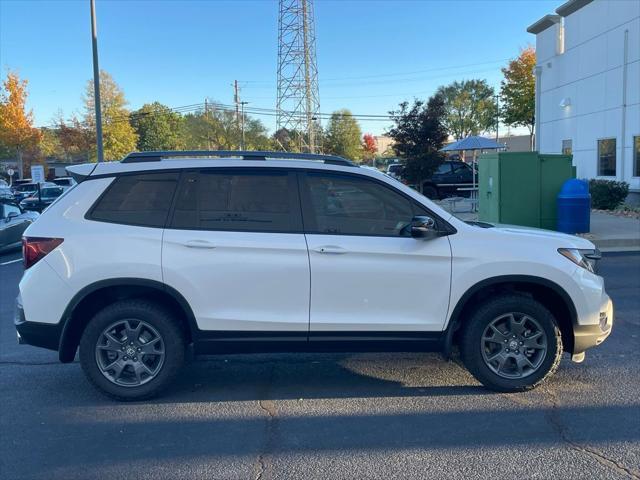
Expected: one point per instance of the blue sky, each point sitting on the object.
(371, 54)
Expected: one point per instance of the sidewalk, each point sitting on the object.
(609, 233)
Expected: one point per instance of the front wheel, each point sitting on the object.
(132, 349)
(512, 343)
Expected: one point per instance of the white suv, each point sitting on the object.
(166, 253)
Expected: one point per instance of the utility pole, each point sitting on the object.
(236, 99)
(206, 114)
(497, 116)
(96, 82)
(242, 104)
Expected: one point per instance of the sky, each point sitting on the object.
(371, 54)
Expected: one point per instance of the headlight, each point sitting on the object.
(583, 258)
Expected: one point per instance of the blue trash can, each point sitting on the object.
(574, 207)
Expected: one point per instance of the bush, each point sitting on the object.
(607, 194)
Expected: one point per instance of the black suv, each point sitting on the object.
(448, 179)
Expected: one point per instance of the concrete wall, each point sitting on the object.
(588, 76)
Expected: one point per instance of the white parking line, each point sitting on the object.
(11, 261)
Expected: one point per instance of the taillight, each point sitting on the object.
(36, 248)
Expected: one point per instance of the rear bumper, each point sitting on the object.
(44, 335)
(587, 336)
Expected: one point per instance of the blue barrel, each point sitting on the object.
(574, 207)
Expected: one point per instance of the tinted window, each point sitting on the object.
(137, 200)
(51, 192)
(264, 201)
(461, 168)
(355, 206)
(443, 169)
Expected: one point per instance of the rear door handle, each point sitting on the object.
(199, 244)
(330, 249)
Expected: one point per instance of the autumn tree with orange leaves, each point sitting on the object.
(518, 92)
(16, 123)
(369, 146)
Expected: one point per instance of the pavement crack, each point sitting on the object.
(561, 429)
(269, 407)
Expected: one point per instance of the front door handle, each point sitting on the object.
(199, 244)
(330, 249)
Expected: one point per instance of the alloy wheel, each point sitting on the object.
(130, 352)
(514, 345)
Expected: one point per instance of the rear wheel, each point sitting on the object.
(430, 192)
(132, 349)
(512, 343)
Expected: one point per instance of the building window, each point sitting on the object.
(567, 147)
(636, 156)
(607, 157)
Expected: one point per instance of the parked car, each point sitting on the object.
(155, 256)
(448, 179)
(24, 190)
(38, 202)
(64, 181)
(13, 222)
(6, 193)
(395, 170)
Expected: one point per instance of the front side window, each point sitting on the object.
(259, 201)
(11, 209)
(607, 157)
(443, 169)
(636, 156)
(567, 147)
(345, 205)
(142, 199)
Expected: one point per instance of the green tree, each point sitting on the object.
(470, 108)
(118, 135)
(343, 136)
(158, 127)
(518, 92)
(419, 134)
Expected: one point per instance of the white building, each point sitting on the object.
(588, 87)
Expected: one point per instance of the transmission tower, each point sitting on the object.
(298, 103)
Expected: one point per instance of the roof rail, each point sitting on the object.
(135, 157)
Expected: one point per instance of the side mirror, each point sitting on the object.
(424, 227)
(10, 216)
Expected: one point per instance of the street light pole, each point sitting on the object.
(96, 82)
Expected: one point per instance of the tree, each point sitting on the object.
(369, 146)
(343, 136)
(158, 127)
(419, 134)
(77, 140)
(470, 108)
(16, 124)
(118, 135)
(518, 92)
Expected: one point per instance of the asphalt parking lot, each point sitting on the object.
(327, 416)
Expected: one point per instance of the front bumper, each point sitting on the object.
(42, 335)
(587, 336)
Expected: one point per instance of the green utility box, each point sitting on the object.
(520, 188)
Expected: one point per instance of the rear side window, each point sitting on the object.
(142, 200)
(254, 201)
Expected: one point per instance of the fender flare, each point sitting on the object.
(68, 342)
(455, 321)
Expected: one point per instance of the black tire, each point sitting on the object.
(473, 347)
(154, 315)
(430, 192)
